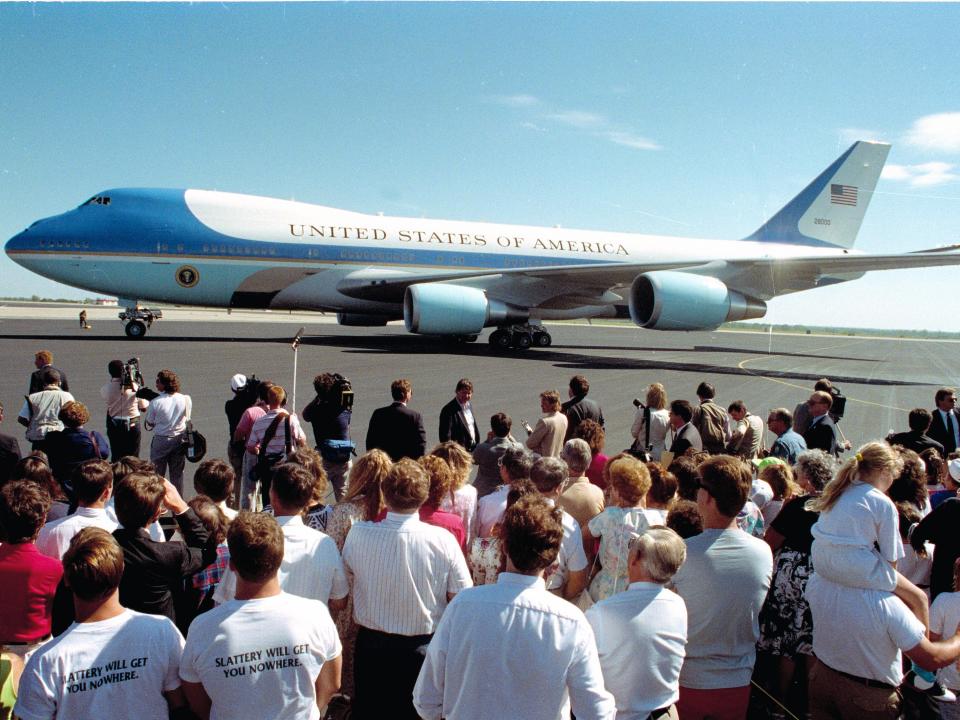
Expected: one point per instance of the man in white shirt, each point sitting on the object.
(311, 566)
(265, 654)
(404, 572)
(112, 662)
(167, 416)
(92, 486)
(723, 582)
(41, 410)
(123, 413)
(514, 464)
(746, 433)
(457, 422)
(513, 649)
(570, 575)
(858, 636)
(642, 632)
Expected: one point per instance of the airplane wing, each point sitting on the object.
(759, 277)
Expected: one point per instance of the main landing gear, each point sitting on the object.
(521, 337)
(137, 321)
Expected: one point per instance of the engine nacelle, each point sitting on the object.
(361, 320)
(670, 300)
(439, 309)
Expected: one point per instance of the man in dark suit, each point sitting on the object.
(579, 408)
(44, 360)
(821, 435)
(9, 453)
(946, 420)
(457, 422)
(916, 438)
(396, 429)
(685, 435)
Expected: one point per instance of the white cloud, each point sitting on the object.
(579, 119)
(922, 175)
(517, 101)
(939, 132)
(630, 140)
(532, 126)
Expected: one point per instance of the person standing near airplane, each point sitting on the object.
(457, 422)
(945, 426)
(578, 408)
(43, 361)
(396, 429)
(167, 415)
(547, 438)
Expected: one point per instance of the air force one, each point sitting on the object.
(452, 278)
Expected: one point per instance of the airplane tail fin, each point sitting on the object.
(829, 211)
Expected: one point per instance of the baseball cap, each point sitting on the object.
(237, 382)
(953, 467)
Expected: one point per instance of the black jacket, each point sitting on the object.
(916, 441)
(398, 431)
(154, 571)
(938, 431)
(36, 381)
(453, 426)
(9, 456)
(577, 409)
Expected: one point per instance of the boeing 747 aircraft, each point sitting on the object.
(452, 278)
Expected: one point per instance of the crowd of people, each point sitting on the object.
(698, 574)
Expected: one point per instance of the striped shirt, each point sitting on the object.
(401, 571)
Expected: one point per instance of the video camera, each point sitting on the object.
(334, 391)
(839, 403)
(132, 374)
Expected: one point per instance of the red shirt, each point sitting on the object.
(30, 580)
(448, 521)
(594, 473)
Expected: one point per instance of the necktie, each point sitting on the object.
(951, 428)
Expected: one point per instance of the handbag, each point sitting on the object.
(195, 444)
(337, 451)
(266, 461)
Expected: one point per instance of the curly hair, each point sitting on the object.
(911, 484)
(631, 479)
(685, 519)
(459, 460)
(74, 414)
(406, 486)
(592, 432)
(441, 479)
(531, 531)
(168, 380)
(816, 466)
(311, 461)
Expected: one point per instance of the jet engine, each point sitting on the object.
(670, 300)
(361, 320)
(439, 309)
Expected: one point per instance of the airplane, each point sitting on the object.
(452, 278)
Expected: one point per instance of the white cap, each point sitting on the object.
(954, 469)
(237, 382)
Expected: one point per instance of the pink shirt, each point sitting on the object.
(448, 521)
(249, 417)
(594, 473)
(31, 580)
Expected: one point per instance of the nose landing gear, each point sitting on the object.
(137, 321)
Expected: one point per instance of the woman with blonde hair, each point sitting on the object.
(363, 501)
(656, 408)
(621, 519)
(441, 480)
(462, 498)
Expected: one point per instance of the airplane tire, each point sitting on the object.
(470, 338)
(136, 329)
(522, 340)
(542, 339)
(500, 339)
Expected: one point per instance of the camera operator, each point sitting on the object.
(650, 438)
(329, 413)
(123, 408)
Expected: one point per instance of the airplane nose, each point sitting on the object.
(19, 243)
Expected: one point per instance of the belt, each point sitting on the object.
(26, 642)
(867, 682)
(126, 419)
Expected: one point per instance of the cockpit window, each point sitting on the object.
(98, 200)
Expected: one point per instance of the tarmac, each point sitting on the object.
(881, 378)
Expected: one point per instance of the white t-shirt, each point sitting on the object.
(55, 537)
(115, 668)
(311, 566)
(862, 516)
(861, 632)
(944, 620)
(490, 510)
(261, 658)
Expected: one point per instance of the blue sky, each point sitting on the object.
(687, 119)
